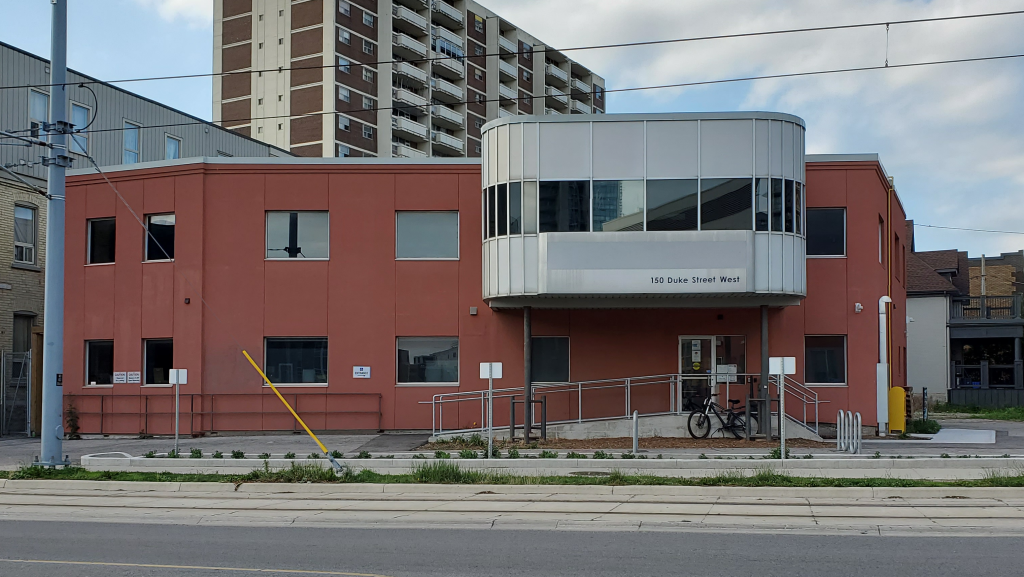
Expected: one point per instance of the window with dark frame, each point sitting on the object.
(299, 234)
(826, 232)
(159, 359)
(102, 232)
(550, 359)
(160, 239)
(423, 360)
(99, 362)
(296, 361)
(825, 360)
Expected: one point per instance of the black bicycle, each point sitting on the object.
(733, 421)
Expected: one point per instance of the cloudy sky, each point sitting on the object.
(952, 136)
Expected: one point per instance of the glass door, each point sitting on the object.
(696, 361)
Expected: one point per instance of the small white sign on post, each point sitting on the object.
(178, 376)
(360, 372)
(120, 377)
(490, 371)
(782, 365)
(134, 377)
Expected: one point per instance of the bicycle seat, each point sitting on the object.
(734, 401)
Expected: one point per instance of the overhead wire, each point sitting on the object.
(958, 228)
(546, 49)
(246, 120)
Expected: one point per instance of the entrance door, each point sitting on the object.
(696, 359)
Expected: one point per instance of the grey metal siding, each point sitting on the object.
(986, 398)
(115, 105)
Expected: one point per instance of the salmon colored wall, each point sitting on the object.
(363, 299)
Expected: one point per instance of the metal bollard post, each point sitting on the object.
(636, 432)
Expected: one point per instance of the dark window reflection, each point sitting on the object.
(725, 203)
(777, 204)
(672, 205)
(515, 208)
(502, 210)
(826, 232)
(296, 360)
(564, 206)
(550, 359)
(159, 355)
(825, 360)
(428, 360)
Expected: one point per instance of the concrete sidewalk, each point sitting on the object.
(879, 511)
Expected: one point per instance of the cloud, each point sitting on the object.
(196, 13)
(952, 135)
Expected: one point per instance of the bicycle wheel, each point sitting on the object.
(739, 425)
(699, 425)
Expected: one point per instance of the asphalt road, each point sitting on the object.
(95, 550)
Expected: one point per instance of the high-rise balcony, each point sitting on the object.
(447, 14)
(580, 86)
(502, 113)
(411, 74)
(551, 111)
(414, 4)
(447, 117)
(556, 75)
(579, 107)
(446, 91)
(399, 150)
(507, 70)
(408, 47)
(448, 67)
(447, 35)
(409, 129)
(408, 20)
(507, 46)
(404, 96)
(555, 97)
(507, 92)
(447, 141)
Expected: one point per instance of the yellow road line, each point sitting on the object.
(189, 567)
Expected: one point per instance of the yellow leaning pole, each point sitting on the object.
(291, 410)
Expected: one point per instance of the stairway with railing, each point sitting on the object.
(611, 399)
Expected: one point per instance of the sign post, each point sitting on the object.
(490, 371)
(780, 367)
(177, 377)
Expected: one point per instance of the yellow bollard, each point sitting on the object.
(897, 410)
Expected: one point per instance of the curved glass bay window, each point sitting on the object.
(564, 206)
(725, 203)
(672, 204)
(618, 205)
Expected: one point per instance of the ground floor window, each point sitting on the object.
(99, 362)
(428, 360)
(296, 361)
(549, 358)
(825, 360)
(158, 356)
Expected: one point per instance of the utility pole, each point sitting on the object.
(52, 428)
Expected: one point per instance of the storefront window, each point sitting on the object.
(565, 206)
(618, 205)
(725, 203)
(672, 205)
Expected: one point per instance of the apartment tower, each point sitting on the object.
(387, 78)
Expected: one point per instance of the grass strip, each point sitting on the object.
(450, 473)
(1003, 414)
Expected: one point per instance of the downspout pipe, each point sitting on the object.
(882, 370)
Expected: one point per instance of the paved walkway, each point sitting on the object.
(819, 511)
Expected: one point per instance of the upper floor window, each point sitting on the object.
(172, 147)
(38, 112)
(80, 118)
(102, 233)
(478, 23)
(344, 7)
(368, 19)
(826, 232)
(130, 138)
(367, 46)
(367, 74)
(344, 94)
(526, 49)
(344, 36)
(344, 151)
(725, 203)
(427, 235)
(598, 92)
(564, 206)
(344, 123)
(618, 205)
(24, 234)
(527, 75)
(344, 65)
(160, 237)
(672, 204)
(297, 235)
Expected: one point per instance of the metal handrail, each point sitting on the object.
(802, 394)
(674, 381)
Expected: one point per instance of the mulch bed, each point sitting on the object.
(627, 443)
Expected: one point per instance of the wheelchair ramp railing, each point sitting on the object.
(465, 412)
(802, 402)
